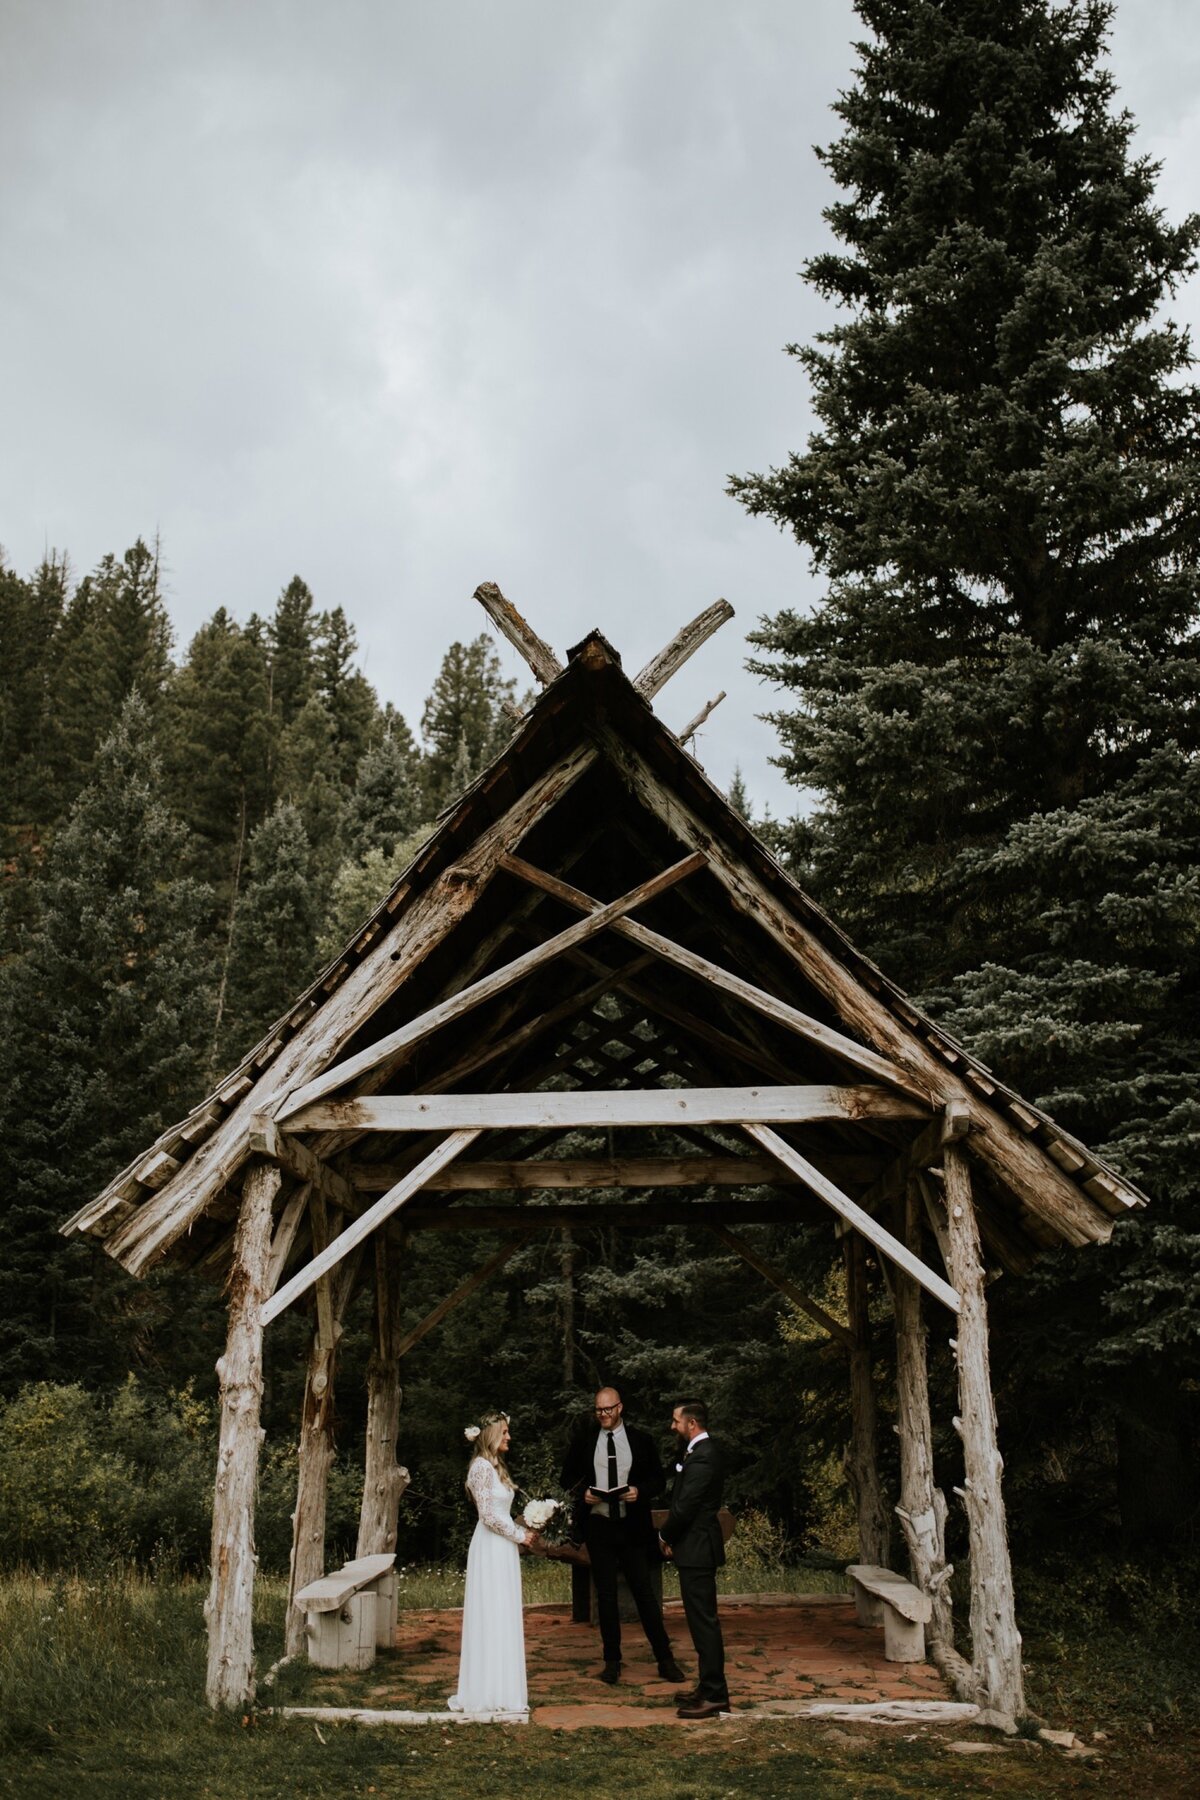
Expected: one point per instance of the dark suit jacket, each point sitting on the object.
(691, 1527)
(645, 1474)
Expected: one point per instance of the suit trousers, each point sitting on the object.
(619, 1545)
(698, 1590)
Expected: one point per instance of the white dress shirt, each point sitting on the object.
(600, 1463)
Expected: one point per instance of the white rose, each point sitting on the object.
(539, 1513)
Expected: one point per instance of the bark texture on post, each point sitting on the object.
(861, 1462)
(384, 1481)
(995, 1640)
(314, 1457)
(229, 1606)
(922, 1508)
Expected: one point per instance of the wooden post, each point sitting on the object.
(922, 1508)
(862, 1468)
(995, 1640)
(231, 1595)
(384, 1481)
(314, 1457)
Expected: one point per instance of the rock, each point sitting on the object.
(971, 1747)
(998, 1721)
(1099, 1737)
(1062, 1740)
(1082, 1753)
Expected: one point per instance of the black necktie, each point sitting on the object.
(614, 1505)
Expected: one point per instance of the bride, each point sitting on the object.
(491, 1670)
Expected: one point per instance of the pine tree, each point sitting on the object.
(292, 637)
(114, 636)
(997, 693)
(307, 778)
(273, 955)
(346, 692)
(388, 793)
(30, 615)
(463, 722)
(102, 1020)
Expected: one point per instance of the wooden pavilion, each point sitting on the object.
(593, 939)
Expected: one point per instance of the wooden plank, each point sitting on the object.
(487, 987)
(285, 1235)
(463, 1292)
(788, 1288)
(573, 1111)
(652, 1215)
(853, 1214)
(366, 1223)
(429, 919)
(521, 635)
(614, 1172)
(318, 1213)
(1018, 1160)
(684, 645)
(771, 1007)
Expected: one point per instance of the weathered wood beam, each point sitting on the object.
(384, 1479)
(706, 711)
(521, 635)
(285, 1235)
(995, 1640)
(486, 988)
(862, 1456)
(788, 1288)
(853, 1214)
(367, 1222)
(684, 645)
(925, 1149)
(391, 960)
(921, 1507)
(298, 1159)
(230, 1604)
(572, 1111)
(463, 1292)
(1018, 1161)
(614, 1172)
(652, 1215)
(759, 999)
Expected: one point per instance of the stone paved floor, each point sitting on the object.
(806, 1648)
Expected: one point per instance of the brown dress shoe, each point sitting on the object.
(701, 1709)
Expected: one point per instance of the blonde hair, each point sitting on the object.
(492, 1427)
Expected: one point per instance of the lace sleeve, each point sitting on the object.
(483, 1492)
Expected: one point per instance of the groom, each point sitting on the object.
(620, 1533)
(691, 1536)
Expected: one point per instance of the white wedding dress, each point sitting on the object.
(491, 1670)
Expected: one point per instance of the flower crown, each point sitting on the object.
(471, 1432)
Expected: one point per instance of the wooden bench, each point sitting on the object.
(882, 1597)
(350, 1612)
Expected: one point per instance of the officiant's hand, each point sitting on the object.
(631, 1495)
(591, 1497)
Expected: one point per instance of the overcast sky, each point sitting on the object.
(401, 297)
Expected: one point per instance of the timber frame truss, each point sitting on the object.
(594, 981)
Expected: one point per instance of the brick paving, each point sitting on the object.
(778, 1650)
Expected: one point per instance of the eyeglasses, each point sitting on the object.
(608, 1409)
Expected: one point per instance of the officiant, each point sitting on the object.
(615, 1473)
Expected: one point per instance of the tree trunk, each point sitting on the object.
(384, 1481)
(231, 1595)
(995, 1640)
(314, 1457)
(861, 1462)
(922, 1508)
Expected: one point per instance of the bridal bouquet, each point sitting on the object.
(538, 1513)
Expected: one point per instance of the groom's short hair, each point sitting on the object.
(694, 1409)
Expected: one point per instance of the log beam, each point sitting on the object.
(706, 712)
(486, 988)
(574, 1110)
(230, 1603)
(922, 1505)
(684, 645)
(769, 1005)
(995, 1640)
(616, 1172)
(852, 1213)
(861, 1460)
(653, 1215)
(384, 1479)
(787, 1288)
(521, 635)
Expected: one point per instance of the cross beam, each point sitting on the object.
(487, 987)
(652, 1215)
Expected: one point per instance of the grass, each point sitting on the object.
(101, 1694)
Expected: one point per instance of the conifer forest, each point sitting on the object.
(992, 722)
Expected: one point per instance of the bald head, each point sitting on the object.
(608, 1408)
